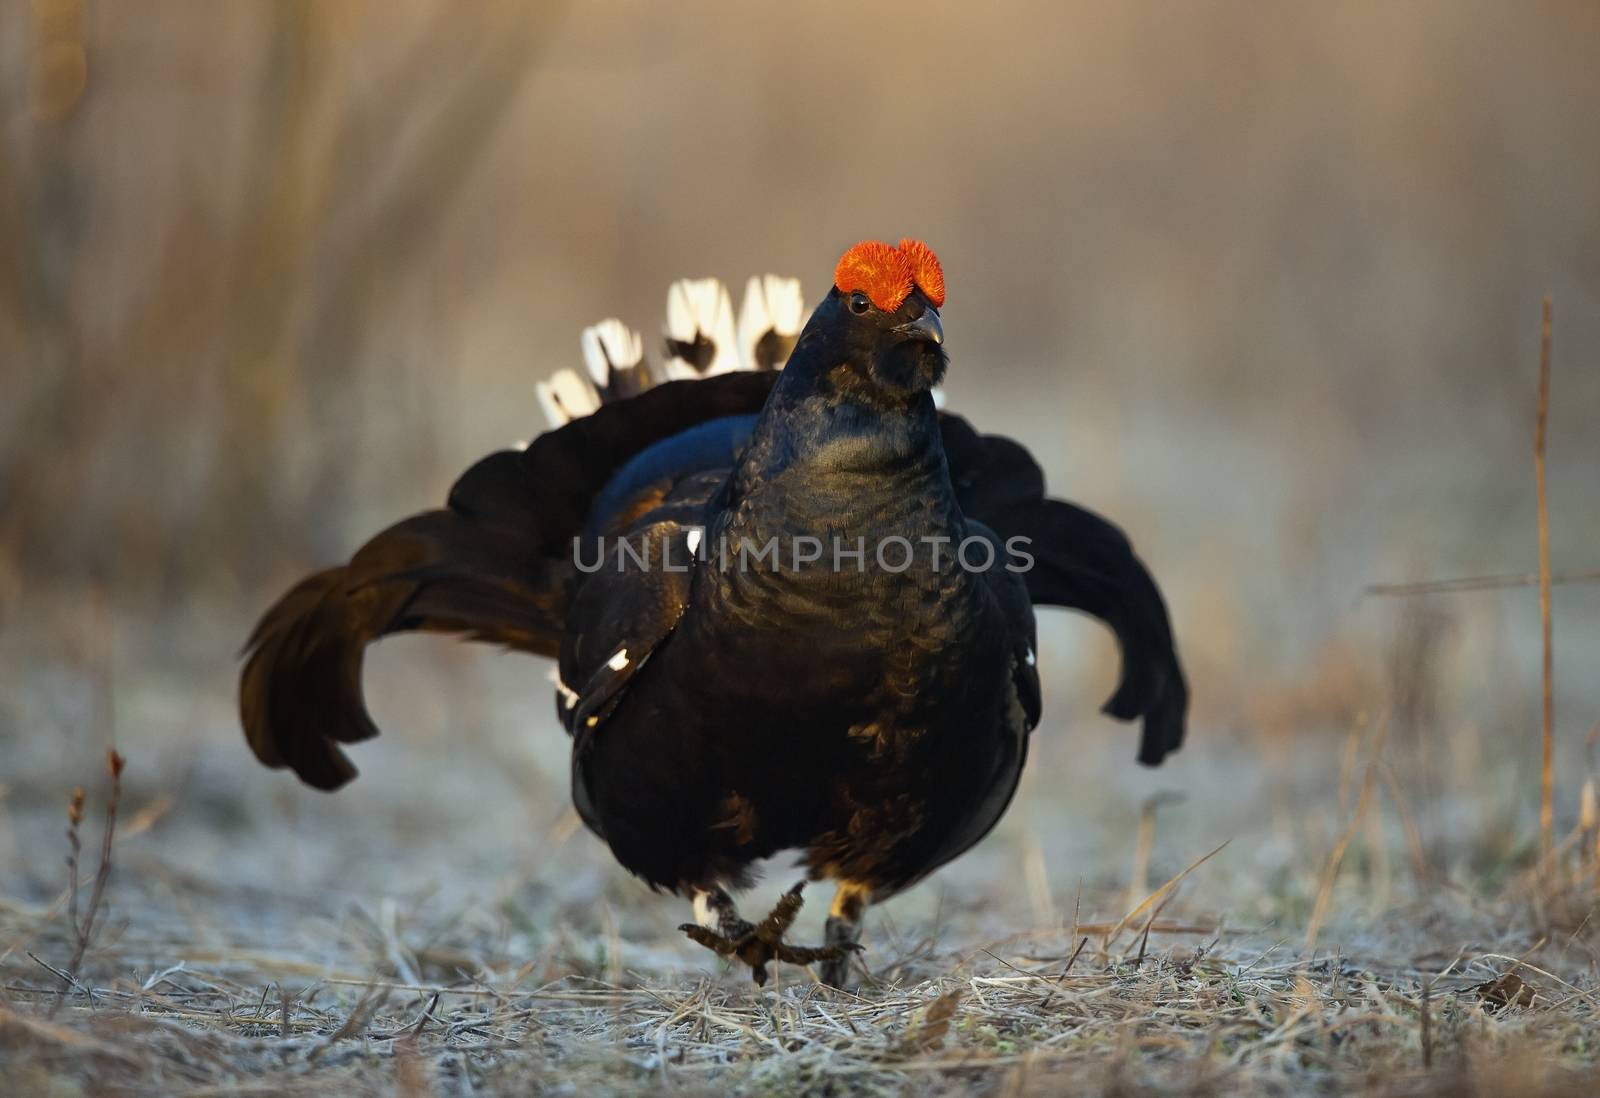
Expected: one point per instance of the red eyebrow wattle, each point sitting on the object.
(888, 273)
(925, 270)
(881, 271)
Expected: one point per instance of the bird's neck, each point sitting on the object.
(826, 420)
(843, 461)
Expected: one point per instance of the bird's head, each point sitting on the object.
(856, 393)
(881, 320)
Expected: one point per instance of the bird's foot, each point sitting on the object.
(759, 944)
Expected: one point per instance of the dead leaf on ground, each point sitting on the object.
(1507, 989)
(936, 1016)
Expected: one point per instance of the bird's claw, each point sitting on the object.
(757, 945)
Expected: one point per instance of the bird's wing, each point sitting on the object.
(1083, 562)
(622, 613)
(674, 470)
(636, 559)
(495, 564)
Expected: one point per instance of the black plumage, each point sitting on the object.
(873, 716)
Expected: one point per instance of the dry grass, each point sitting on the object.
(1231, 1012)
(199, 988)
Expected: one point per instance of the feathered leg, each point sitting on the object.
(843, 930)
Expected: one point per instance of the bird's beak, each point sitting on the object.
(925, 327)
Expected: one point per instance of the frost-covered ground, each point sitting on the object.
(444, 925)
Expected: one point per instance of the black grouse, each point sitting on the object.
(793, 610)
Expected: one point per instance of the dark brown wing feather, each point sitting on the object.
(495, 565)
(1083, 562)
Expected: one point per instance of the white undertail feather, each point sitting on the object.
(566, 396)
(771, 303)
(701, 308)
(611, 346)
(700, 318)
(569, 696)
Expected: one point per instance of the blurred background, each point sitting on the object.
(1261, 282)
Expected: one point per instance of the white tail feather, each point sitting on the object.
(774, 304)
(610, 345)
(566, 396)
(700, 317)
(700, 309)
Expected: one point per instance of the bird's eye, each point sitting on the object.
(859, 303)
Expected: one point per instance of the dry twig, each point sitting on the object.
(1547, 678)
(83, 930)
